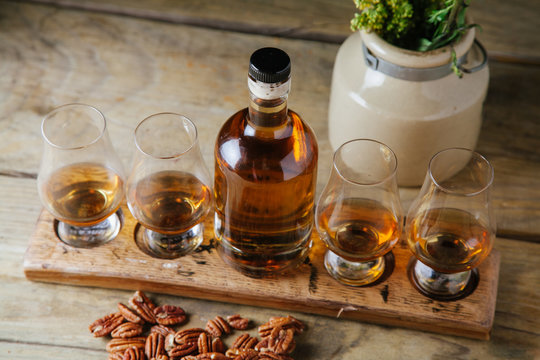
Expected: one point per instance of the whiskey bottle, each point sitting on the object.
(265, 175)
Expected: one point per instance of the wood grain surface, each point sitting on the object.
(52, 320)
(120, 264)
(133, 64)
(509, 28)
(60, 56)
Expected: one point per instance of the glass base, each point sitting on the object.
(354, 273)
(166, 246)
(90, 236)
(442, 286)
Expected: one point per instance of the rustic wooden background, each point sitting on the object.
(132, 59)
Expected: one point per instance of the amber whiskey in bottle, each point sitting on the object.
(265, 175)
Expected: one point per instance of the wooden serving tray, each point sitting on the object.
(394, 301)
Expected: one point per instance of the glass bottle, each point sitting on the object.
(265, 175)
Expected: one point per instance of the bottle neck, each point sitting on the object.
(268, 103)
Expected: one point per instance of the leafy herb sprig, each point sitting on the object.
(419, 25)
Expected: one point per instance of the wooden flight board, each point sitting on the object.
(394, 301)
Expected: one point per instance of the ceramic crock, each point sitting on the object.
(411, 101)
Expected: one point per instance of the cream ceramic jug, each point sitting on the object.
(411, 101)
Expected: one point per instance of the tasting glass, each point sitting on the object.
(451, 226)
(168, 190)
(359, 214)
(80, 179)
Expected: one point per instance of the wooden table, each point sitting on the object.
(133, 59)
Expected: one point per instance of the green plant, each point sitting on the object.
(420, 25)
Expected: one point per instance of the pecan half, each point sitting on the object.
(116, 356)
(273, 356)
(250, 354)
(207, 356)
(161, 357)
(106, 324)
(120, 344)
(169, 342)
(237, 322)
(188, 336)
(155, 345)
(161, 329)
(207, 343)
(134, 353)
(285, 322)
(204, 343)
(143, 306)
(218, 326)
(218, 346)
(247, 354)
(127, 330)
(169, 315)
(245, 341)
(279, 341)
(129, 315)
(180, 351)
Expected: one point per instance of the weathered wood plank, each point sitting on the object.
(510, 29)
(395, 302)
(51, 57)
(31, 350)
(33, 310)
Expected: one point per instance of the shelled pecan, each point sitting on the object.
(129, 314)
(207, 343)
(178, 352)
(127, 330)
(250, 354)
(188, 336)
(237, 322)
(285, 322)
(218, 326)
(134, 353)
(161, 357)
(143, 306)
(116, 356)
(273, 356)
(155, 345)
(120, 344)
(169, 342)
(106, 324)
(279, 341)
(169, 315)
(245, 341)
(161, 329)
(163, 343)
(207, 356)
(246, 354)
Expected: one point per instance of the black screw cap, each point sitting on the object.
(270, 65)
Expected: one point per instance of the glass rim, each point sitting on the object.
(73, 105)
(461, 193)
(168, 157)
(391, 173)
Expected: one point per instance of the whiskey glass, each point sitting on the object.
(359, 214)
(80, 179)
(168, 190)
(450, 225)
